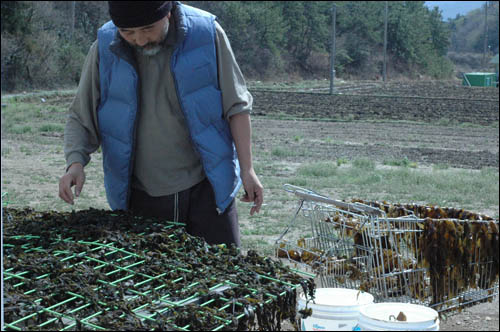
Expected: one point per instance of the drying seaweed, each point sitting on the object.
(460, 256)
(446, 258)
(96, 269)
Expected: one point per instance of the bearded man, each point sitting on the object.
(163, 96)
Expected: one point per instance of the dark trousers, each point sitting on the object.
(196, 208)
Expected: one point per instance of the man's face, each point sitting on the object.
(147, 39)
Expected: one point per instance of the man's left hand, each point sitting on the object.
(253, 190)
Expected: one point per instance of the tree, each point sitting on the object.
(440, 32)
(306, 28)
(16, 17)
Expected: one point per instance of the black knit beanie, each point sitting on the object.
(132, 14)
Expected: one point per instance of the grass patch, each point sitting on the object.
(342, 161)
(440, 166)
(296, 85)
(321, 169)
(25, 150)
(5, 151)
(442, 187)
(402, 163)
(20, 130)
(364, 164)
(283, 152)
(50, 127)
(446, 122)
(21, 117)
(20, 113)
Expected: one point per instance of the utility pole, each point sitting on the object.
(485, 33)
(332, 53)
(385, 45)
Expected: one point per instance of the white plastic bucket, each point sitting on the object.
(382, 317)
(333, 309)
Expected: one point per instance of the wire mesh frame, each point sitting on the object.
(121, 271)
(384, 254)
(332, 271)
(328, 252)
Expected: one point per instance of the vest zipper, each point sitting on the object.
(134, 135)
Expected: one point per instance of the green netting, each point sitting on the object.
(5, 198)
(66, 275)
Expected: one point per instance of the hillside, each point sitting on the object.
(44, 43)
(450, 9)
(467, 31)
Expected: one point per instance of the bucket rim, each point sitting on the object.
(368, 298)
(362, 313)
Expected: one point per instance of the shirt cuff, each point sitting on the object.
(237, 110)
(76, 157)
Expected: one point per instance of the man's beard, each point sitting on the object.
(151, 49)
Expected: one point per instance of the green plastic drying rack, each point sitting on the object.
(122, 267)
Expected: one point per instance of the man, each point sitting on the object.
(163, 96)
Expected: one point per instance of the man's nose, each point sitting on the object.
(141, 40)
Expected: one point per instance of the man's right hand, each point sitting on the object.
(74, 176)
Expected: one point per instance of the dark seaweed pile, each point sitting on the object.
(66, 267)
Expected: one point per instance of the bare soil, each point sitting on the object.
(467, 147)
(425, 103)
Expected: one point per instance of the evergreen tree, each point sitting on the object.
(269, 39)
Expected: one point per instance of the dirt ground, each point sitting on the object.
(378, 108)
(466, 147)
(481, 317)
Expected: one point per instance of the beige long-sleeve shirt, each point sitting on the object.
(165, 160)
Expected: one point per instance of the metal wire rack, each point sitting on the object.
(166, 297)
(356, 245)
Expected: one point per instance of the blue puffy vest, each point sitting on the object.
(194, 68)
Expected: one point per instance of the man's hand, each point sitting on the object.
(253, 190)
(74, 176)
(241, 130)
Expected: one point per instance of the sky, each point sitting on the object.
(450, 9)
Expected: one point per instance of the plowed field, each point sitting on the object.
(453, 106)
(426, 122)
